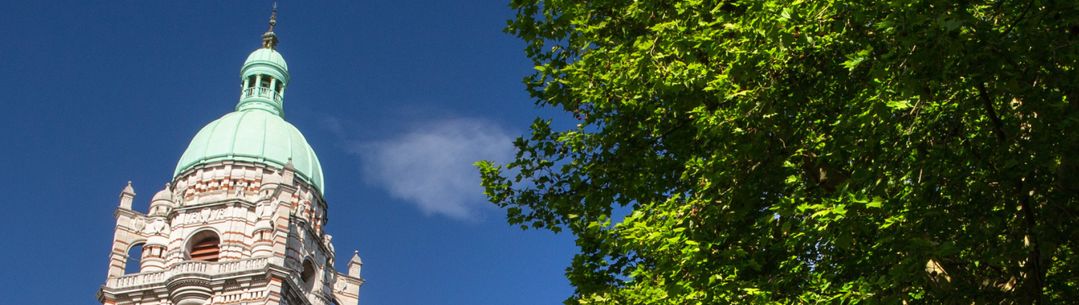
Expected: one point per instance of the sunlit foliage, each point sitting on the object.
(792, 152)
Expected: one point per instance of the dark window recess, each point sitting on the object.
(206, 249)
(308, 274)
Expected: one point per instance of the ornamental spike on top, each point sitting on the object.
(269, 39)
(128, 189)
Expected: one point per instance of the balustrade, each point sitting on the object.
(262, 92)
(210, 269)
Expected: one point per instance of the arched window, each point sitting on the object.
(204, 246)
(134, 259)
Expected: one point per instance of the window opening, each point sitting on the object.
(308, 274)
(134, 259)
(205, 246)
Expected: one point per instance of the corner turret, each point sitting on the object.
(127, 196)
(355, 265)
(162, 203)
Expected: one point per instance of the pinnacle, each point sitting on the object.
(128, 189)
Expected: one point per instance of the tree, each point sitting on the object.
(806, 151)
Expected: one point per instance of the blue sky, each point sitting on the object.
(398, 98)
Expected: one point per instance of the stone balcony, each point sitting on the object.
(205, 280)
(209, 270)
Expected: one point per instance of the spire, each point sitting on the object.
(127, 196)
(269, 39)
(128, 189)
(355, 264)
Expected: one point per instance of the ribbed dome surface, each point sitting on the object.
(253, 136)
(265, 55)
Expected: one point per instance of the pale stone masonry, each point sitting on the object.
(242, 221)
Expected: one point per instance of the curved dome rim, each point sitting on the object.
(258, 56)
(200, 150)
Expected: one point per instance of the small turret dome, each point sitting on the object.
(266, 56)
(164, 194)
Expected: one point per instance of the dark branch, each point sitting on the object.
(998, 126)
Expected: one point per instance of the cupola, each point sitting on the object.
(257, 132)
(264, 76)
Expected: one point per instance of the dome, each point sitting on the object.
(164, 194)
(266, 56)
(253, 135)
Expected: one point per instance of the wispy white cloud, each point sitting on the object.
(430, 165)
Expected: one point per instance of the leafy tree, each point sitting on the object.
(806, 151)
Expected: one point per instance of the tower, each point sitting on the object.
(242, 220)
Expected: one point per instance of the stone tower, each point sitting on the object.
(242, 221)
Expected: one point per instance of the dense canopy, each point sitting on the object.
(810, 151)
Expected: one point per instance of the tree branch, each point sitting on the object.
(1035, 257)
(998, 126)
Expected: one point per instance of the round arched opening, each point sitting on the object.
(204, 246)
(133, 263)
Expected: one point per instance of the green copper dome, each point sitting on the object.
(253, 136)
(265, 56)
(257, 131)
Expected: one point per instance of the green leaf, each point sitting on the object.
(856, 59)
(875, 203)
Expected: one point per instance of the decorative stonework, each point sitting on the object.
(203, 216)
(273, 227)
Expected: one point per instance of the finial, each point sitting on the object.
(269, 39)
(128, 189)
(273, 17)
